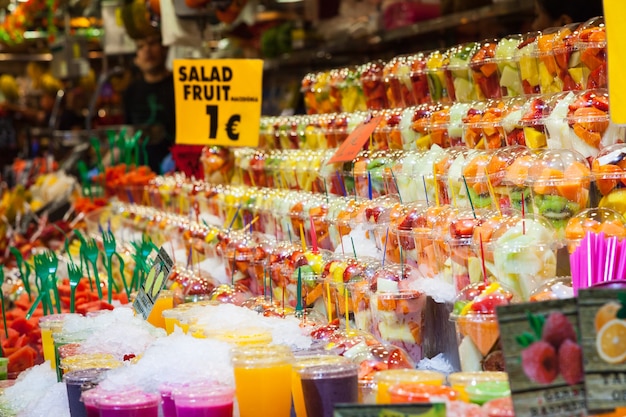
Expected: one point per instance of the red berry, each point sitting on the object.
(557, 329)
(571, 362)
(539, 362)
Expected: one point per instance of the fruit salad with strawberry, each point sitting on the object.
(592, 46)
(508, 170)
(532, 121)
(477, 326)
(435, 66)
(398, 82)
(482, 126)
(414, 127)
(419, 78)
(352, 98)
(527, 62)
(316, 90)
(510, 80)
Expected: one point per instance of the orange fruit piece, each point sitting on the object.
(611, 341)
(605, 314)
(484, 333)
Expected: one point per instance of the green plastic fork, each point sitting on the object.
(110, 246)
(74, 273)
(91, 254)
(24, 269)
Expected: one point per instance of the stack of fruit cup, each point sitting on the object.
(486, 72)
(459, 82)
(477, 326)
(483, 126)
(560, 181)
(510, 80)
(527, 62)
(592, 46)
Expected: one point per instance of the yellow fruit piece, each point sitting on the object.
(611, 342)
(615, 200)
(534, 138)
(606, 313)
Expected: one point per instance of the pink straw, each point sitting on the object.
(588, 249)
(621, 262)
(599, 256)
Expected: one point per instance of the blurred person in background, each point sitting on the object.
(554, 13)
(149, 101)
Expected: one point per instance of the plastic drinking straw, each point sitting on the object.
(234, 266)
(313, 236)
(621, 262)
(4, 317)
(493, 194)
(452, 193)
(353, 248)
(435, 182)
(425, 190)
(299, 292)
(611, 256)
(574, 271)
(289, 233)
(341, 184)
(395, 182)
(590, 246)
(346, 307)
(232, 221)
(302, 239)
(385, 247)
(269, 284)
(482, 258)
(328, 303)
(600, 254)
(369, 184)
(469, 197)
(283, 301)
(523, 214)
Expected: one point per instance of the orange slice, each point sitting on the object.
(611, 341)
(484, 333)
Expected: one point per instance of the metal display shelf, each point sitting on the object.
(349, 45)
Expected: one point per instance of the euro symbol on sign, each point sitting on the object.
(232, 125)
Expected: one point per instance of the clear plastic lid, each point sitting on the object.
(125, 400)
(381, 357)
(393, 279)
(461, 55)
(592, 33)
(409, 216)
(343, 370)
(608, 170)
(596, 220)
(480, 299)
(551, 166)
(348, 269)
(261, 356)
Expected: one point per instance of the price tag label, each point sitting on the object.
(154, 283)
(355, 141)
(614, 12)
(218, 101)
(536, 338)
(390, 410)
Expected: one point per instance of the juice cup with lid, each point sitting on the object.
(384, 380)
(593, 54)
(526, 58)
(76, 383)
(204, 400)
(373, 85)
(485, 391)
(421, 393)
(459, 81)
(125, 404)
(308, 361)
(460, 381)
(485, 71)
(510, 80)
(560, 182)
(325, 385)
(610, 177)
(435, 70)
(263, 377)
(477, 326)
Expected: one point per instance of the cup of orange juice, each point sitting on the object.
(263, 377)
(388, 378)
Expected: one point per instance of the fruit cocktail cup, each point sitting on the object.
(435, 70)
(477, 327)
(373, 85)
(609, 171)
(594, 220)
(263, 380)
(459, 80)
(486, 71)
(352, 97)
(560, 182)
(593, 56)
(527, 63)
(510, 80)
(419, 78)
(567, 57)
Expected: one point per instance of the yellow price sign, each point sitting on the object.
(614, 12)
(218, 101)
